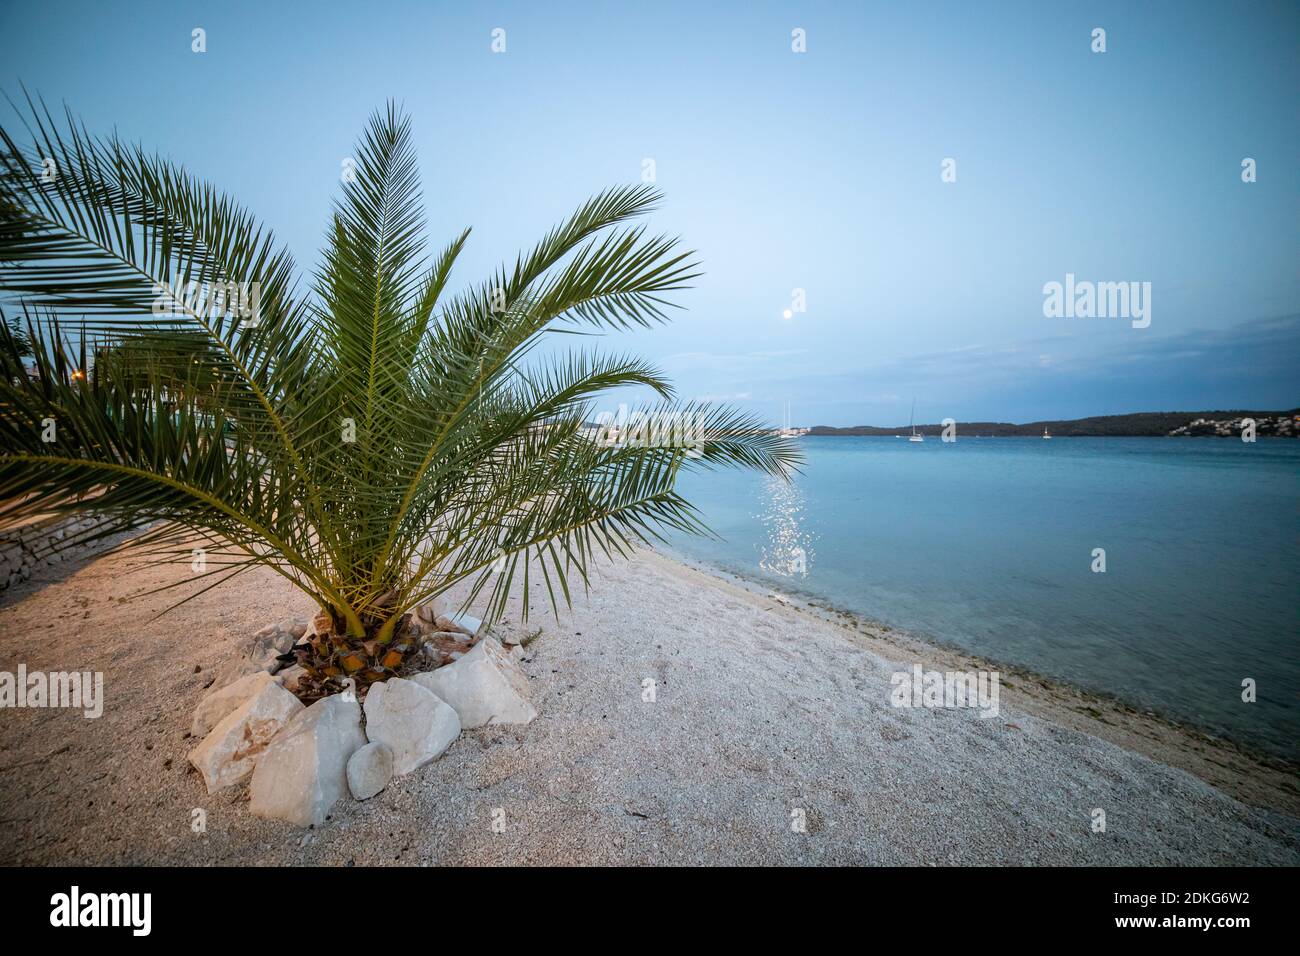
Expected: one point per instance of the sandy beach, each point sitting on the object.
(764, 713)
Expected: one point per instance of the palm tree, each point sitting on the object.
(373, 439)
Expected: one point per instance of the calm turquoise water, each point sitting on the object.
(987, 544)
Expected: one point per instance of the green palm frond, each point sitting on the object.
(370, 438)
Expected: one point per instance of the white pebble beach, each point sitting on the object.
(764, 714)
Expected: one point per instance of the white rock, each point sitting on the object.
(295, 627)
(304, 771)
(267, 644)
(290, 676)
(445, 623)
(431, 610)
(468, 624)
(484, 687)
(222, 700)
(236, 744)
(369, 770)
(459, 623)
(232, 671)
(412, 720)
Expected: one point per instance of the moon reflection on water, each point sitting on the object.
(788, 548)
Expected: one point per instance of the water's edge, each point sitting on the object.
(1255, 776)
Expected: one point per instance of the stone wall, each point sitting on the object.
(25, 548)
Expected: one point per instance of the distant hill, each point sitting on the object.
(1135, 425)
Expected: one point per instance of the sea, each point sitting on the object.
(1162, 571)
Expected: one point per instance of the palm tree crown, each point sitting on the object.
(372, 439)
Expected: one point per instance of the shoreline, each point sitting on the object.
(1254, 776)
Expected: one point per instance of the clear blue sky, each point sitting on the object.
(818, 170)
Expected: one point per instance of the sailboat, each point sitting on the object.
(910, 424)
(787, 430)
(1045, 435)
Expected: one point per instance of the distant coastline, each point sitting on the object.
(1270, 424)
